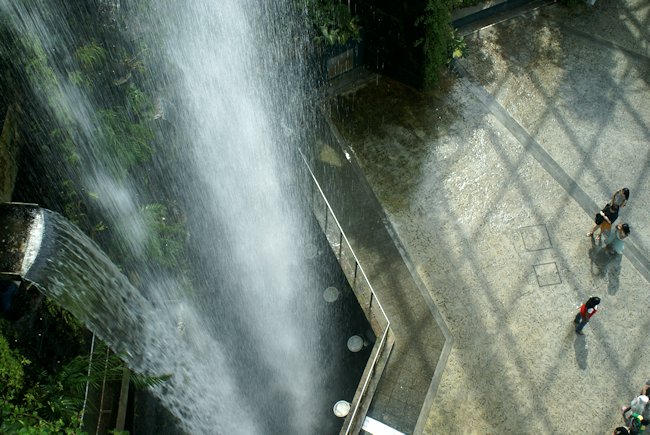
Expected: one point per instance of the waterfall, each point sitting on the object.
(237, 326)
(162, 336)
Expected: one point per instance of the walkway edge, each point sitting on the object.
(449, 340)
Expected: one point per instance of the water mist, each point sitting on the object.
(235, 329)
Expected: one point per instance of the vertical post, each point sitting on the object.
(102, 411)
(124, 399)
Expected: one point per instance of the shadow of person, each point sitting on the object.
(600, 259)
(613, 272)
(580, 347)
(605, 265)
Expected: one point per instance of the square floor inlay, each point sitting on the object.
(535, 237)
(547, 274)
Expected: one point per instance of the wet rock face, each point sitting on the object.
(16, 222)
(8, 155)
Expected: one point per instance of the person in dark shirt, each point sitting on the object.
(604, 220)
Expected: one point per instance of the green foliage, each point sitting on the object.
(146, 381)
(11, 370)
(66, 147)
(72, 325)
(438, 37)
(22, 420)
(51, 401)
(334, 22)
(102, 366)
(166, 238)
(459, 4)
(91, 56)
(42, 381)
(441, 43)
(34, 404)
(33, 60)
(72, 203)
(458, 46)
(125, 144)
(138, 102)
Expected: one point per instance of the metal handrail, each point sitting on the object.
(358, 266)
(382, 343)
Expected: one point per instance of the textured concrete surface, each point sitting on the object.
(491, 185)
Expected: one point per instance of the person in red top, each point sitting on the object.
(587, 310)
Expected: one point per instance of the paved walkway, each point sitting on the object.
(490, 186)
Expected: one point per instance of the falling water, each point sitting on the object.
(236, 329)
(169, 335)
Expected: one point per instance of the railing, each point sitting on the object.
(358, 281)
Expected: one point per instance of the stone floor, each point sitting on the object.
(489, 186)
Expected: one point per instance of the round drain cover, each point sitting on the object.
(331, 294)
(310, 250)
(355, 343)
(341, 408)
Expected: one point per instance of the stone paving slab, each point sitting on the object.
(492, 211)
(574, 96)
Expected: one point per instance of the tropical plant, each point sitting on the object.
(125, 144)
(457, 46)
(334, 22)
(440, 42)
(91, 56)
(51, 402)
(166, 237)
(457, 4)
(436, 40)
(11, 370)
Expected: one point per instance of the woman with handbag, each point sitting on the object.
(604, 220)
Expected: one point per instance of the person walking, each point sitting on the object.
(604, 220)
(614, 239)
(634, 414)
(587, 310)
(620, 197)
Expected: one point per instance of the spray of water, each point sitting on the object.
(237, 334)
